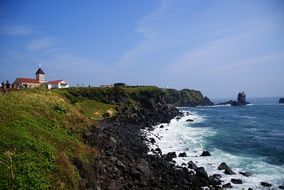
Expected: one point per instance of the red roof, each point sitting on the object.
(55, 81)
(27, 80)
(39, 71)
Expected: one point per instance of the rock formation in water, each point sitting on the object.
(281, 101)
(240, 102)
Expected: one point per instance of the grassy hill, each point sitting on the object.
(42, 131)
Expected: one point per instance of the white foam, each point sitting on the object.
(180, 135)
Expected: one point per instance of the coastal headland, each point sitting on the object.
(90, 138)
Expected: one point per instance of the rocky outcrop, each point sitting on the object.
(186, 97)
(127, 95)
(281, 101)
(241, 100)
(123, 161)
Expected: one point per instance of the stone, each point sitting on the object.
(189, 120)
(217, 176)
(247, 174)
(170, 156)
(229, 172)
(143, 166)
(152, 140)
(265, 184)
(191, 165)
(281, 187)
(215, 180)
(200, 172)
(236, 181)
(224, 166)
(162, 126)
(182, 154)
(159, 151)
(281, 101)
(205, 153)
(227, 185)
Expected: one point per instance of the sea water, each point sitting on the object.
(248, 138)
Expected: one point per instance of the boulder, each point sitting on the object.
(143, 167)
(152, 140)
(205, 153)
(247, 174)
(265, 184)
(170, 156)
(229, 172)
(215, 180)
(162, 126)
(200, 172)
(189, 120)
(192, 165)
(281, 101)
(217, 176)
(224, 166)
(236, 181)
(250, 188)
(159, 151)
(178, 118)
(281, 187)
(182, 154)
(227, 185)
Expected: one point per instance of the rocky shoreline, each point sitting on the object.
(124, 162)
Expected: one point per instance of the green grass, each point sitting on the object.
(96, 110)
(44, 132)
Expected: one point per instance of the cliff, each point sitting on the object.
(130, 95)
(82, 138)
(186, 98)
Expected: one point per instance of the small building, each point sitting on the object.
(40, 81)
(27, 83)
(57, 84)
(106, 86)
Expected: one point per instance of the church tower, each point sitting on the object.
(40, 75)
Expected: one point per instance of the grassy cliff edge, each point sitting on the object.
(41, 131)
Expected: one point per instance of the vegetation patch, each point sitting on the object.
(43, 133)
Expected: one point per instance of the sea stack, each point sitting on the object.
(241, 100)
(281, 101)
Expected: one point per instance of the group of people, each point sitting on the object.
(6, 86)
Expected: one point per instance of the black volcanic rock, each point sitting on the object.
(192, 165)
(227, 185)
(281, 101)
(201, 172)
(236, 181)
(224, 166)
(265, 184)
(205, 153)
(241, 101)
(247, 174)
(183, 154)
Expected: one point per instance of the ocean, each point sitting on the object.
(248, 138)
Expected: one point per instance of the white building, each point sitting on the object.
(57, 84)
(40, 81)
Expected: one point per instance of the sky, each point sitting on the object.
(219, 47)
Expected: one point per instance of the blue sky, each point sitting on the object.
(217, 46)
